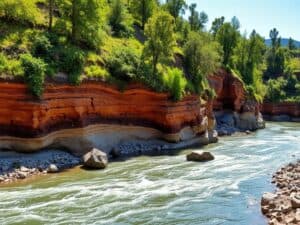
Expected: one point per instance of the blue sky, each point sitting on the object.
(261, 15)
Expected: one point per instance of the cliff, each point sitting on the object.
(95, 115)
(234, 112)
(284, 111)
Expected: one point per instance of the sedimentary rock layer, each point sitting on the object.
(64, 106)
(284, 110)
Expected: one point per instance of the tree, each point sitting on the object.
(120, 20)
(85, 21)
(216, 25)
(197, 20)
(143, 10)
(176, 7)
(51, 6)
(228, 38)
(161, 38)
(202, 57)
(276, 56)
(235, 23)
(248, 56)
(291, 44)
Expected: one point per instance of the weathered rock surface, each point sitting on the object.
(200, 156)
(95, 114)
(95, 159)
(281, 112)
(283, 207)
(234, 113)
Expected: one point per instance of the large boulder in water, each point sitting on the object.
(200, 156)
(95, 159)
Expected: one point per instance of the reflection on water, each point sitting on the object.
(161, 189)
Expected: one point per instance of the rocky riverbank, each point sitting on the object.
(283, 207)
(15, 166)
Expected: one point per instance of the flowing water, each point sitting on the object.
(161, 189)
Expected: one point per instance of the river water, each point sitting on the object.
(161, 189)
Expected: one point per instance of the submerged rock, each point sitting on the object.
(200, 156)
(95, 159)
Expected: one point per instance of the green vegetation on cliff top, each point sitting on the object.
(123, 41)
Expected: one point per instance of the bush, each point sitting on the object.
(96, 72)
(10, 66)
(41, 47)
(175, 82)
(72, 62)
(275, 90)
(123, 63)
(34, 73)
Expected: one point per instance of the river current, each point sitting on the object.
(161, 189)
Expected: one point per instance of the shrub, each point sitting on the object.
(41, 47)
(123, 63)
(72, 62)
(175, 82)
(10, 66)
(96, 72)
(34, 73)
(275, 90)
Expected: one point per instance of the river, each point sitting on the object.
(161, 189)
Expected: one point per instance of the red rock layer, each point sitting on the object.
(65, 106)
(284, 108)
(229, 91)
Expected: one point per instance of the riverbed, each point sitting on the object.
(161, 189)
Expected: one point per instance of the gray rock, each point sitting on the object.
(95, 159)
(200, 156)
(52, 168)
(24, 169)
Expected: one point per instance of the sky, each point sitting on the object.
(261, 15)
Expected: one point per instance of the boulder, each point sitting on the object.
(21, 175)
(268, 198)
(52, 168)
(200, 156)
(295, 200)
(95, 159)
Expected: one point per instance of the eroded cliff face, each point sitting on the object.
(233, 111)
(285, 111)
(96, 115)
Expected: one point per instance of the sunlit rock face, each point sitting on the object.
(233, 111)
(285, 111)
(95, 115)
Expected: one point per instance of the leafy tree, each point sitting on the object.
(143, 10)
(34, 73)
(176, 7)
(291, 44)
(216, 25)
(248, 56)
(227, 36)
(197, 20)
(275, 90)
(276, 56)
(51, 8)
(161, 39)
(202, 57)
(86, 21)
(120, 20)
(235, 23)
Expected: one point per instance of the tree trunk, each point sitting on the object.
(51, 5)
(74, 21)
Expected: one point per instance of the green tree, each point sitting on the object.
(197, 20)
(227, 36)
(291, 44)
(248, 56)
(143, 10)
(276, 56)
(176, 7)
(275, 90)
(160, 38)
(86, 22)
(235, 23)
(202, 57)
(216, 25)
(51, 8)
(120, 20)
